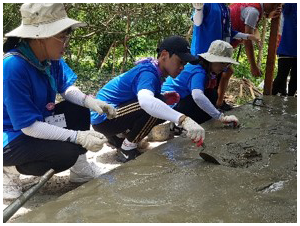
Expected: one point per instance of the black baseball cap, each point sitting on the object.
(180, 47)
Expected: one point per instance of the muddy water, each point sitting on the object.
(256, 181)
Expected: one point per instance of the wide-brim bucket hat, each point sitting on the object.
(43, 20)
(219, 51)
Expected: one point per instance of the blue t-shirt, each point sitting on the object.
(27, 91)
(215, 26)
(192, 77)
(126, 86)
(288, 43)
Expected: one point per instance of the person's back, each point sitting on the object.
(288, 42)
(244, 14)
(211, 28)
(124, 87)
(182, 83)
(287, 53)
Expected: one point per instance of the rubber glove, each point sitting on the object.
(90, 140)
(171, 97)
(194, 130)
(229, 119)
(100, 106)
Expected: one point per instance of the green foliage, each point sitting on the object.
(11, 16)
(143, 25)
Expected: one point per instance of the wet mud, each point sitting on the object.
(255, 181)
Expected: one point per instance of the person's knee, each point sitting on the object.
(60, 161)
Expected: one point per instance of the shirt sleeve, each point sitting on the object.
(66, 76)
(198, 81)
(250, 16)
(147, 80)
(17, 96)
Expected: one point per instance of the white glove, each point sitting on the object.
(194, 130)
(198, 6)
(90, 140)
(229, 119)
(100, 106)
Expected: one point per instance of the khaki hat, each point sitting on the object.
(219, 51)
(43, 20)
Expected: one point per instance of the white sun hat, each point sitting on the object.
(43, 20)
(219, 51)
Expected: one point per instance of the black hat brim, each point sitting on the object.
(187, 57)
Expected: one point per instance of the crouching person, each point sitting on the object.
(196, 84)
(38, 134)
(136, 96)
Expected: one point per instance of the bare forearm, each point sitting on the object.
(250, 52)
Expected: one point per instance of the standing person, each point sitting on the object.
(287, 52)
(245, 18)
(33, 73)
(212, 22)
(196, 83)
(136, 96)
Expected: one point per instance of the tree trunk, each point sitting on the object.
(114, 54)
(79, 54)
(263, 37)
(189, 33)
(107, 55)
(125, 43)
(271, 56)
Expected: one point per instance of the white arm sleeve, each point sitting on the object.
(241, 35)
(43, 130)
(198, 17)
(204, 103)
(74, 95)
(157, 108)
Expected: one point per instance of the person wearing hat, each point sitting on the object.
(38, 134)
(196, 83)
(136, 96)
(212, 22)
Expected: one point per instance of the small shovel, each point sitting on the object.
(205, 156)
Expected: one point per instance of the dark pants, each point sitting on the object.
(130, 117)
(33, 156)
(188, 106)
(286, 66)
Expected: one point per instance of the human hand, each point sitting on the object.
(275, 13)
(194, 130)
(100, 106)
(198, 6)
(171, 97)
(229, 119)
(90, 140)
(254, 38)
